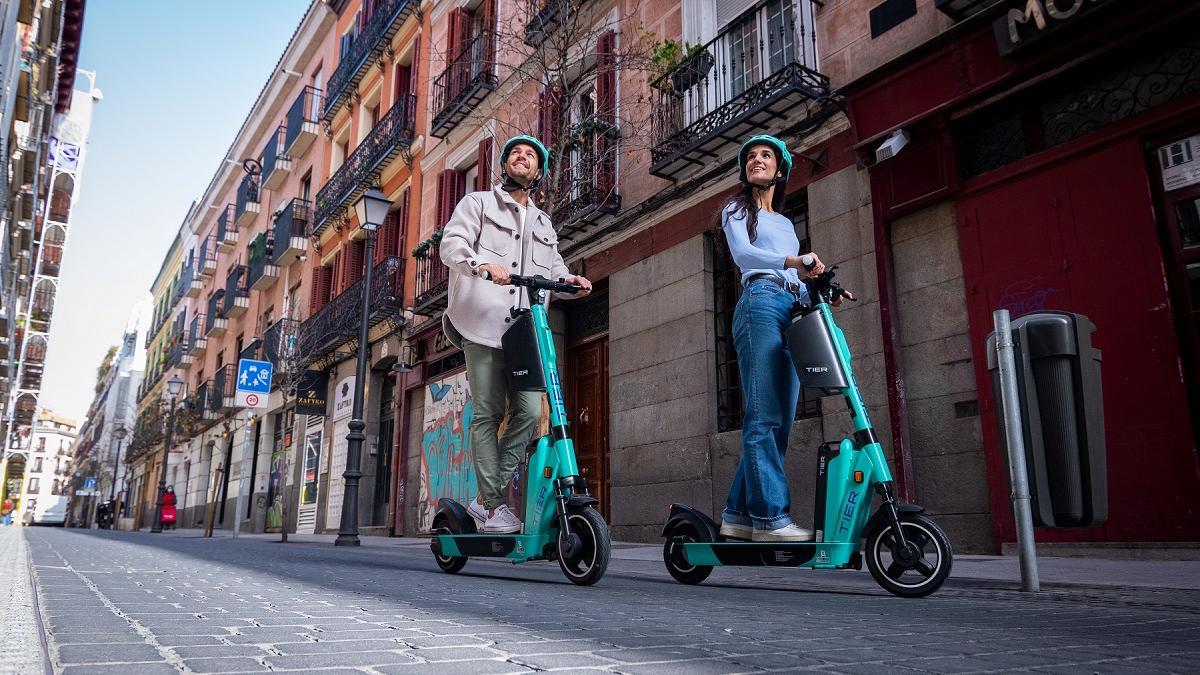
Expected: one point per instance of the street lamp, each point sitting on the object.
(174, 386)
(371, 209)
(120, 432)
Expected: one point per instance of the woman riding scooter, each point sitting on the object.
(765, 248)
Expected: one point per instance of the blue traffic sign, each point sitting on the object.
(254, 376)
(89, 483)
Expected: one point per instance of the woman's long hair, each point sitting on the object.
(744, 203)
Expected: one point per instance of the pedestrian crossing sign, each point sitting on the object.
(253, 383)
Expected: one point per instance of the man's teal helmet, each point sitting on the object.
(781, 150)
(543, 154)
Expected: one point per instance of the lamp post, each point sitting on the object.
(371, 209)
(120, 432)
(174, 386)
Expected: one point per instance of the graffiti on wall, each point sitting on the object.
(446, 466)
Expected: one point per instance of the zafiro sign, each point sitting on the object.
(1029, 21)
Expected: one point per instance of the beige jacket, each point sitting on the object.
(485, 229)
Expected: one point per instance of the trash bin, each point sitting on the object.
(1062, 414)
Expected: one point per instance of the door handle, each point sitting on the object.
(583, 416)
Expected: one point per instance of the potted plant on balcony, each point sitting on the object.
(696, 65)
(664, 56)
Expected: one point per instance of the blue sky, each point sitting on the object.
(178, 78)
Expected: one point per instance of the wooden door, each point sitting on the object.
(1081, 237)
(587, 403)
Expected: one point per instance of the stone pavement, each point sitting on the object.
(136, 602)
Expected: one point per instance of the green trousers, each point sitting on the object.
(496, 459)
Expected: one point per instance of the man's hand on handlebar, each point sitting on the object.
(583, 283)
(494, 273)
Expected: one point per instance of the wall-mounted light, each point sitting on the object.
(892, 145)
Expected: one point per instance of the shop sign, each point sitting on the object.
(1030, 21)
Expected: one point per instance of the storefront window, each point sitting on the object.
(312, 461)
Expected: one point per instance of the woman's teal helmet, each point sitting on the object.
(543, 154)
(781, 151)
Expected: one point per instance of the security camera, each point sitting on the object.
(892, 146)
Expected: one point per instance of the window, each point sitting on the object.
(306, 186)
(312, 462)
(37, 465)
(35, 485)
(42, 443)
(727, 288)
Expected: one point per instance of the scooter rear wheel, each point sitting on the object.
(585, 566)
(448, 564)
(673, 557)
(913, 571)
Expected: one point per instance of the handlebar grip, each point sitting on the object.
(808, 261)
(487, 276)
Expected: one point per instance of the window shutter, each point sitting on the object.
(451, 189)
(357, 251)
(338, 284)
(483, 173)
(606, 103)
(388, 237)
(402, 224)
(319, 289)
(488, 27)
(404, 78)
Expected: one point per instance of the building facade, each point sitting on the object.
(47, 484)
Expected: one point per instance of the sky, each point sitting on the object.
(178, 78)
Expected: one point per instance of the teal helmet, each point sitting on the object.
(543, 154)
(780, 148)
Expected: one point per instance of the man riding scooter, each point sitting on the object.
(490, 236)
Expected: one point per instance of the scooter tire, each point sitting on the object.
(590, 564)
(679, 568)
(448, 564)
(917, 578)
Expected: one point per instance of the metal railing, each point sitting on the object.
(224, 383)
(260, 255)
(292, 221)
(235, 287)
(247, 194)
(226, 225)
(338, 320)
(464, 83)
(305, 110)
(280, 342)
(206, 256)
(196, 330)
(432, 281)
(393, 132)
(373, 39)
(274, 152)
(769, 49)
(216, 309)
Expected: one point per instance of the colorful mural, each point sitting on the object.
(446, 466)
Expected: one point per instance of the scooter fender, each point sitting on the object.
(457, 514)
(683, 513)
(879, 518)
(581, 501)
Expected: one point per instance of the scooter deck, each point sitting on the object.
(516, 547)
(823, 555)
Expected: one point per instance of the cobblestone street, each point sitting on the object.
(133, 602)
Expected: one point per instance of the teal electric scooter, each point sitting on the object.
(560, 522)
(907, 553)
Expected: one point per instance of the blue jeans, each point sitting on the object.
(759, 493)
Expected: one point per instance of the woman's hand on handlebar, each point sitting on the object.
(582, 283)
(493, 273)
(808, 265)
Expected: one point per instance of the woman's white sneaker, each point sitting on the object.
(477, 511)
(789, 532)
(502, 521)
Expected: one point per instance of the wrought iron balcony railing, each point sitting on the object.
(464, 83)
(433, 280)
(221, 393)
(227, 229)
(52, 253)
(247, 201)
(549, 16)
(337, 322)
(216, 323)
(262, 272)
(291, 232)
(206, 257)
(197, 340)
(237, 293)
(276, 164)
(280, 343)
(591, 194)
(302, 123)
(374, 38)
(393, 133)
(757, 76)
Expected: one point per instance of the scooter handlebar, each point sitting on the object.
(536, 282)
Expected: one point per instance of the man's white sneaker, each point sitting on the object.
(789, 532)
(477, 511)
(502, 521)
(735, 531)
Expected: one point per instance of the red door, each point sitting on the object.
(1081, 237)
(587, 401)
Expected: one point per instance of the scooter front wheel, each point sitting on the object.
(675, 560)
(448, 564)
(916, 569)
(587, 559)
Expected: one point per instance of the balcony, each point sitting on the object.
(221, 393)
(291, 225)
(206, 258)
(372, 41)
(177, 352)
(337, 321)
(197, 340)
(189, 283)
(279, 343)
(262, 274)
(302, 123)
(433, 279)
(237, 294)
(247, 202)
(217, 324)
(393, 133)
(549, 17)
(463, 84)
(227, 229)
(758, 76)
(276, 164)
(52, 253)
(592, 195)
(199, 401)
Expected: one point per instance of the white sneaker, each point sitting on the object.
(502, 521)
(789, 532)
(735, 531)
(476, 510)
